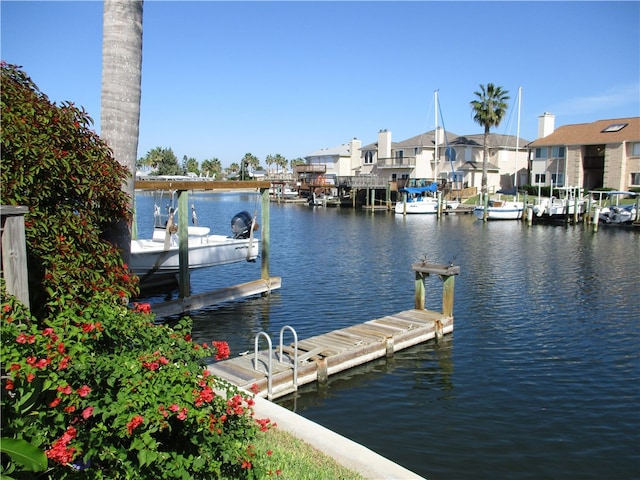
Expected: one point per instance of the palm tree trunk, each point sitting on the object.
(485, 159)
(120, 96)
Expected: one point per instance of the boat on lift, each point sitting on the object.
(160, 253)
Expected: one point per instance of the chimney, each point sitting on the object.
(546, 124)
(355, 148)
(384, 144)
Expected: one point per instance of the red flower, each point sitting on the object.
(83, 391)
(206, 395)
(64, 363)
(222, 349)
(9, 385)
(14, 366)
(134, 423)
(264, 424)
(87, 412)
(30, 377)
(59, 451)
(55, 402)
(6, 308)
(66, 389)
(42, 363)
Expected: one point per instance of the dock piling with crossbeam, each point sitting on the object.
(271, 372)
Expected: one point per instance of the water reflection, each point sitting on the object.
(539, 379)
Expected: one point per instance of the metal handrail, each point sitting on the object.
(255, 360)
(295, 353)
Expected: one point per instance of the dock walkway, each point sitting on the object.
(314, 359)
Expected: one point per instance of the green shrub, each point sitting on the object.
(108, 394)
(90, 388)
(53, 163)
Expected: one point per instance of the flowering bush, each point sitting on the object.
(53, 163)
(90, 388)
(105, 393)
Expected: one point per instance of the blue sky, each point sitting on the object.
(221, 79)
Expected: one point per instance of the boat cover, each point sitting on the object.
(420, 190)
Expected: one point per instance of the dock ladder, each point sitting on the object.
(281, 358)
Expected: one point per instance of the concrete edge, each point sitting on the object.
(346, 452)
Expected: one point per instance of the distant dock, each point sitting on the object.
(276, 372)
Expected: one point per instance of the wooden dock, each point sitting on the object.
(312, 360)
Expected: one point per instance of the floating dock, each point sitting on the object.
(276, 372)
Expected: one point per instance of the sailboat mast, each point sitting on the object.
(515, 173)
(435, 153)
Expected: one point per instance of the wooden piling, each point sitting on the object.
(14, 252)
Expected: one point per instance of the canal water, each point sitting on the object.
(540, 378)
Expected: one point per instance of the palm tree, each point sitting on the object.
(120, 96)
(489, 108)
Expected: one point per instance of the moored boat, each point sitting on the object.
(500, 210)
(418, 200)
(160, 254)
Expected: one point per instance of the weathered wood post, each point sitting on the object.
(14, 252)
(447, 275)
(266, 240)
(183, 244)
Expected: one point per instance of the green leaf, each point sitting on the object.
(22, 452)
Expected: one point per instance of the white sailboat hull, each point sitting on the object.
(501, 211)
(423, 206)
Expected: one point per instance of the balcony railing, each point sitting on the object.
(311, 168)
(392, 162)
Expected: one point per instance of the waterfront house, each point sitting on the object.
(604, 153)
(447, 158)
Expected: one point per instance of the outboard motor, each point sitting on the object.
(241, 225)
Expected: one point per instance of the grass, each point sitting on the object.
(297, 460)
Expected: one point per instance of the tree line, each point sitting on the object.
(162, 161)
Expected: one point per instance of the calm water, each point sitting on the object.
(540, 379)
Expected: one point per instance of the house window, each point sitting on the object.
(540, 178)
(368, 157)
(635, 178)
(399, 154)
(415, 151)
(635, 149)
(557, 152)
(541, 153)
(557, 179)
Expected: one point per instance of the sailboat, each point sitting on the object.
(423, 199)
(505, 210)
(160, 253)
(418, 200)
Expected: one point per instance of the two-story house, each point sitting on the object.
(604, 153)
(447, 158)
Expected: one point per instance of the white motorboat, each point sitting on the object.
(160, 253)
(285, 192)
(555, 209)
(500, 210)
(418, 200)
(617, 214)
